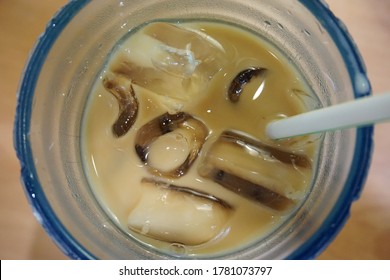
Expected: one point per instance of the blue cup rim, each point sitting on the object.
(364, 137)
(55, 229)
(34, 192)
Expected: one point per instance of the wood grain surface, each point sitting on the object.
(366, 235)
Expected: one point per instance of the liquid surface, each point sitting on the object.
(174, 142)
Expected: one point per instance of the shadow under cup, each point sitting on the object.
(70, 55)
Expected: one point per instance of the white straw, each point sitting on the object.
(359, 112)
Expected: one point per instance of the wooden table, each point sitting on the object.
(367, 232)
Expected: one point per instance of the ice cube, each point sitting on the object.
(180, 135)
(268, 175)
(171, 61)
(178, 214)
(208, 52)
(128, 104)
(176, 62)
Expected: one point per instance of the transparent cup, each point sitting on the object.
(72, 51)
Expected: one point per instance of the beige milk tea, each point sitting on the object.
(174, 142)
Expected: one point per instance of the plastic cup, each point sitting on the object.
(67, 59)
